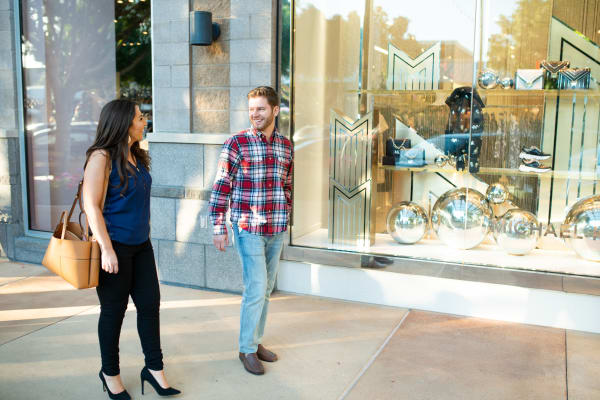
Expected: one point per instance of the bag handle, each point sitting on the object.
(64, 225)
(85, 229)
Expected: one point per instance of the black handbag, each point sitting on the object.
(398, 152)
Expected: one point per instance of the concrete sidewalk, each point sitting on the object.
(328, 349)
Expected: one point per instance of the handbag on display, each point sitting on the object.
(411, 158)
(551, 69)
(393, 147)
(575, 78)
(72, 254)
(554, 66)
(529, 79)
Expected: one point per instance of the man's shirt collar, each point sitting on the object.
(261, 135)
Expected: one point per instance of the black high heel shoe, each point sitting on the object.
(145, 375)
(119, 396)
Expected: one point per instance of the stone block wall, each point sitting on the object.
(188, 136)
(171, 63)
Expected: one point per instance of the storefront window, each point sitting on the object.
(76, 56)
(461, 131)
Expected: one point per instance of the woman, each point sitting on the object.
(122, 229)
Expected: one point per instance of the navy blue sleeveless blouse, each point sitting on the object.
(127, 215)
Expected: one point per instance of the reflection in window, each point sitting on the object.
(76, 56)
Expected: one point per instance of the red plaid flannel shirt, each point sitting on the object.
(254, 179)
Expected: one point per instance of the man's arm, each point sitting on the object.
(287, 185)
(221, 191)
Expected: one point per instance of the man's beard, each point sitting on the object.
(260, 125)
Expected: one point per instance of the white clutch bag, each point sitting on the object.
(529, 79)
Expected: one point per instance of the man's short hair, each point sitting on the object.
(267, 92)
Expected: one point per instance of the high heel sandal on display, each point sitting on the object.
(145, 375)
(118, 396)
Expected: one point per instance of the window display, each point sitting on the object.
(483, 141)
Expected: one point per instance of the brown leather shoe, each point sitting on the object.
(265, 355)
(251, 363)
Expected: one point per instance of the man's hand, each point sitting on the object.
(220, 241)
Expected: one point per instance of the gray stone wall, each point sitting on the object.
(203, 92)
(11, 210)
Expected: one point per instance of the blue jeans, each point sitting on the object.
(260, 262)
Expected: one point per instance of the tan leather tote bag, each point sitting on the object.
(72, 254)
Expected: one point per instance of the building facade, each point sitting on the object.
(446, 155)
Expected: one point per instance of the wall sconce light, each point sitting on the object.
(202, 30)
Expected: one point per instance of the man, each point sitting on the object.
(254, 180)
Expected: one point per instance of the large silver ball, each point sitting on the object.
(583, 220)
(517, 232)
(407, 222)
(488, 79)
(461, 218)
(496, 193)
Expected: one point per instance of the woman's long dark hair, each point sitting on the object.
(112, 136)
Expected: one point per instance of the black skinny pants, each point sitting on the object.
(136, 277)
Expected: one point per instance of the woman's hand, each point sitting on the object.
(109, 261)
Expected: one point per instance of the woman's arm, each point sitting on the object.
(93, 189)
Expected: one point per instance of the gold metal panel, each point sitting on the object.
(350, 147)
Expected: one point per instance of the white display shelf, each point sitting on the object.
(586, 175)
(562, 260)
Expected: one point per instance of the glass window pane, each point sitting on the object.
(70, 70)
(479, 107)
(326, 67)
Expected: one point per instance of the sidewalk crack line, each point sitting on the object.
(373, 358)
(47, 326)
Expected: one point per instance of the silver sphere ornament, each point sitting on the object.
(496, 193)
(517, 232)
(488, 79)
(407, 222)
(461, 218)
(583, 220)
(507, 82)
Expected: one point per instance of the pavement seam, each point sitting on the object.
(16, 280)
(373, 358)
(49, 325)
(566, 367)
